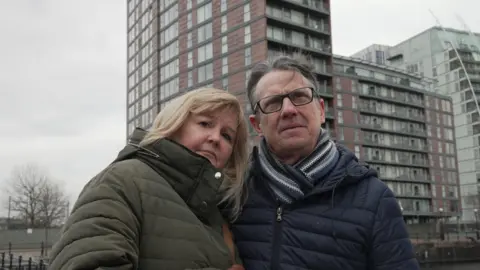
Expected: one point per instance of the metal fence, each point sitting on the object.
(10, 247)
(10, 262)
(449, 237)
(430, 250)
(447, 255)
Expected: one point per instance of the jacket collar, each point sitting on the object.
(192, 176)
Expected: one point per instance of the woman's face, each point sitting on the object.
(210, 135)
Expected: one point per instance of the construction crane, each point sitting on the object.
(473, 38)
(462, 65)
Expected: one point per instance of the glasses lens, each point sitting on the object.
(271, 104)
(298, 97)
(301, 96)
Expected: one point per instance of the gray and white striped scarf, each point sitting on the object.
(292, 182)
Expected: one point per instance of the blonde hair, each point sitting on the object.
(207, 100)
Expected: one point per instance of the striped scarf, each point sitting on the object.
(292, 182)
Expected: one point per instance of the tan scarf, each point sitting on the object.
(228, 237)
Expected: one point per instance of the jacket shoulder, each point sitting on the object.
(370, 191)
(126, 172)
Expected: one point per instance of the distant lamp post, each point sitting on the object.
(442, 227)
(477, 232)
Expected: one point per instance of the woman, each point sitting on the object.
(155, 206)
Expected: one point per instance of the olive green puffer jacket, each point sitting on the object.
(152, 208)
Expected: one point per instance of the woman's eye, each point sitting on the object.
(204, 124)
(227, 137)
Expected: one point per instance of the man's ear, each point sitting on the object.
(321, 104)
(254, 121)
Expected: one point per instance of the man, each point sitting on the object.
(310, 204)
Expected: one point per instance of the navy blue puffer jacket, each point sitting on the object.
(351, 222)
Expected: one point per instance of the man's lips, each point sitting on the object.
(290, 127)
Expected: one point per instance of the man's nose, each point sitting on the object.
(288, 108)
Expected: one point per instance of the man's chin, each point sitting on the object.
(298, 133)
(293, 141)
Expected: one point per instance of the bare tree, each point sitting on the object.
(35, 197)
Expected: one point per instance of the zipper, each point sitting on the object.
(277, 236)
(279, 213)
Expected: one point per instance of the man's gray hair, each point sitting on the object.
(297, 62)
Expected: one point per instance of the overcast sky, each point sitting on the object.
(63, 65)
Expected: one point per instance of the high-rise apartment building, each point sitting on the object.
(177, 46)
(374, 53)
(452, 58)
(394, 122)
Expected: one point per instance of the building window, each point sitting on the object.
(204, 12)
(190, 59)
(205, 72)
(189, 40)
(357, 151)
(204, 52)
(340, 117)
(189, 4)
(204, 33)
(224, 44)
(224, 23)
(223, 5)
(225, 83)
(224, 65)
(247, 77)
(189, 20)
(341, 136)
(248, 56)
(339, 100)
(246, 12)
(248, 35)
(190, 79)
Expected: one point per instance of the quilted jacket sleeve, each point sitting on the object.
(391, 247)
(103, 229)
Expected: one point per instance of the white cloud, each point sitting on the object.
(62, 87)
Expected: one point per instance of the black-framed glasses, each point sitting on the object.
(298, 97)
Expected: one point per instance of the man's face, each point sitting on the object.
(292, 132)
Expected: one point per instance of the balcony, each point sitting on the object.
(468, 58)
(415, 195)
(284, 39)
(399, 161)
(399, 145)
(410, 211)
(329, 114)
(408, 178)
(381, 78)
(325, 70)
(417, 132)
(307, 5)
(325, 91)
(474, 77)
(403, 99)
(404, 131)
(397, 114)
(278, 16)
